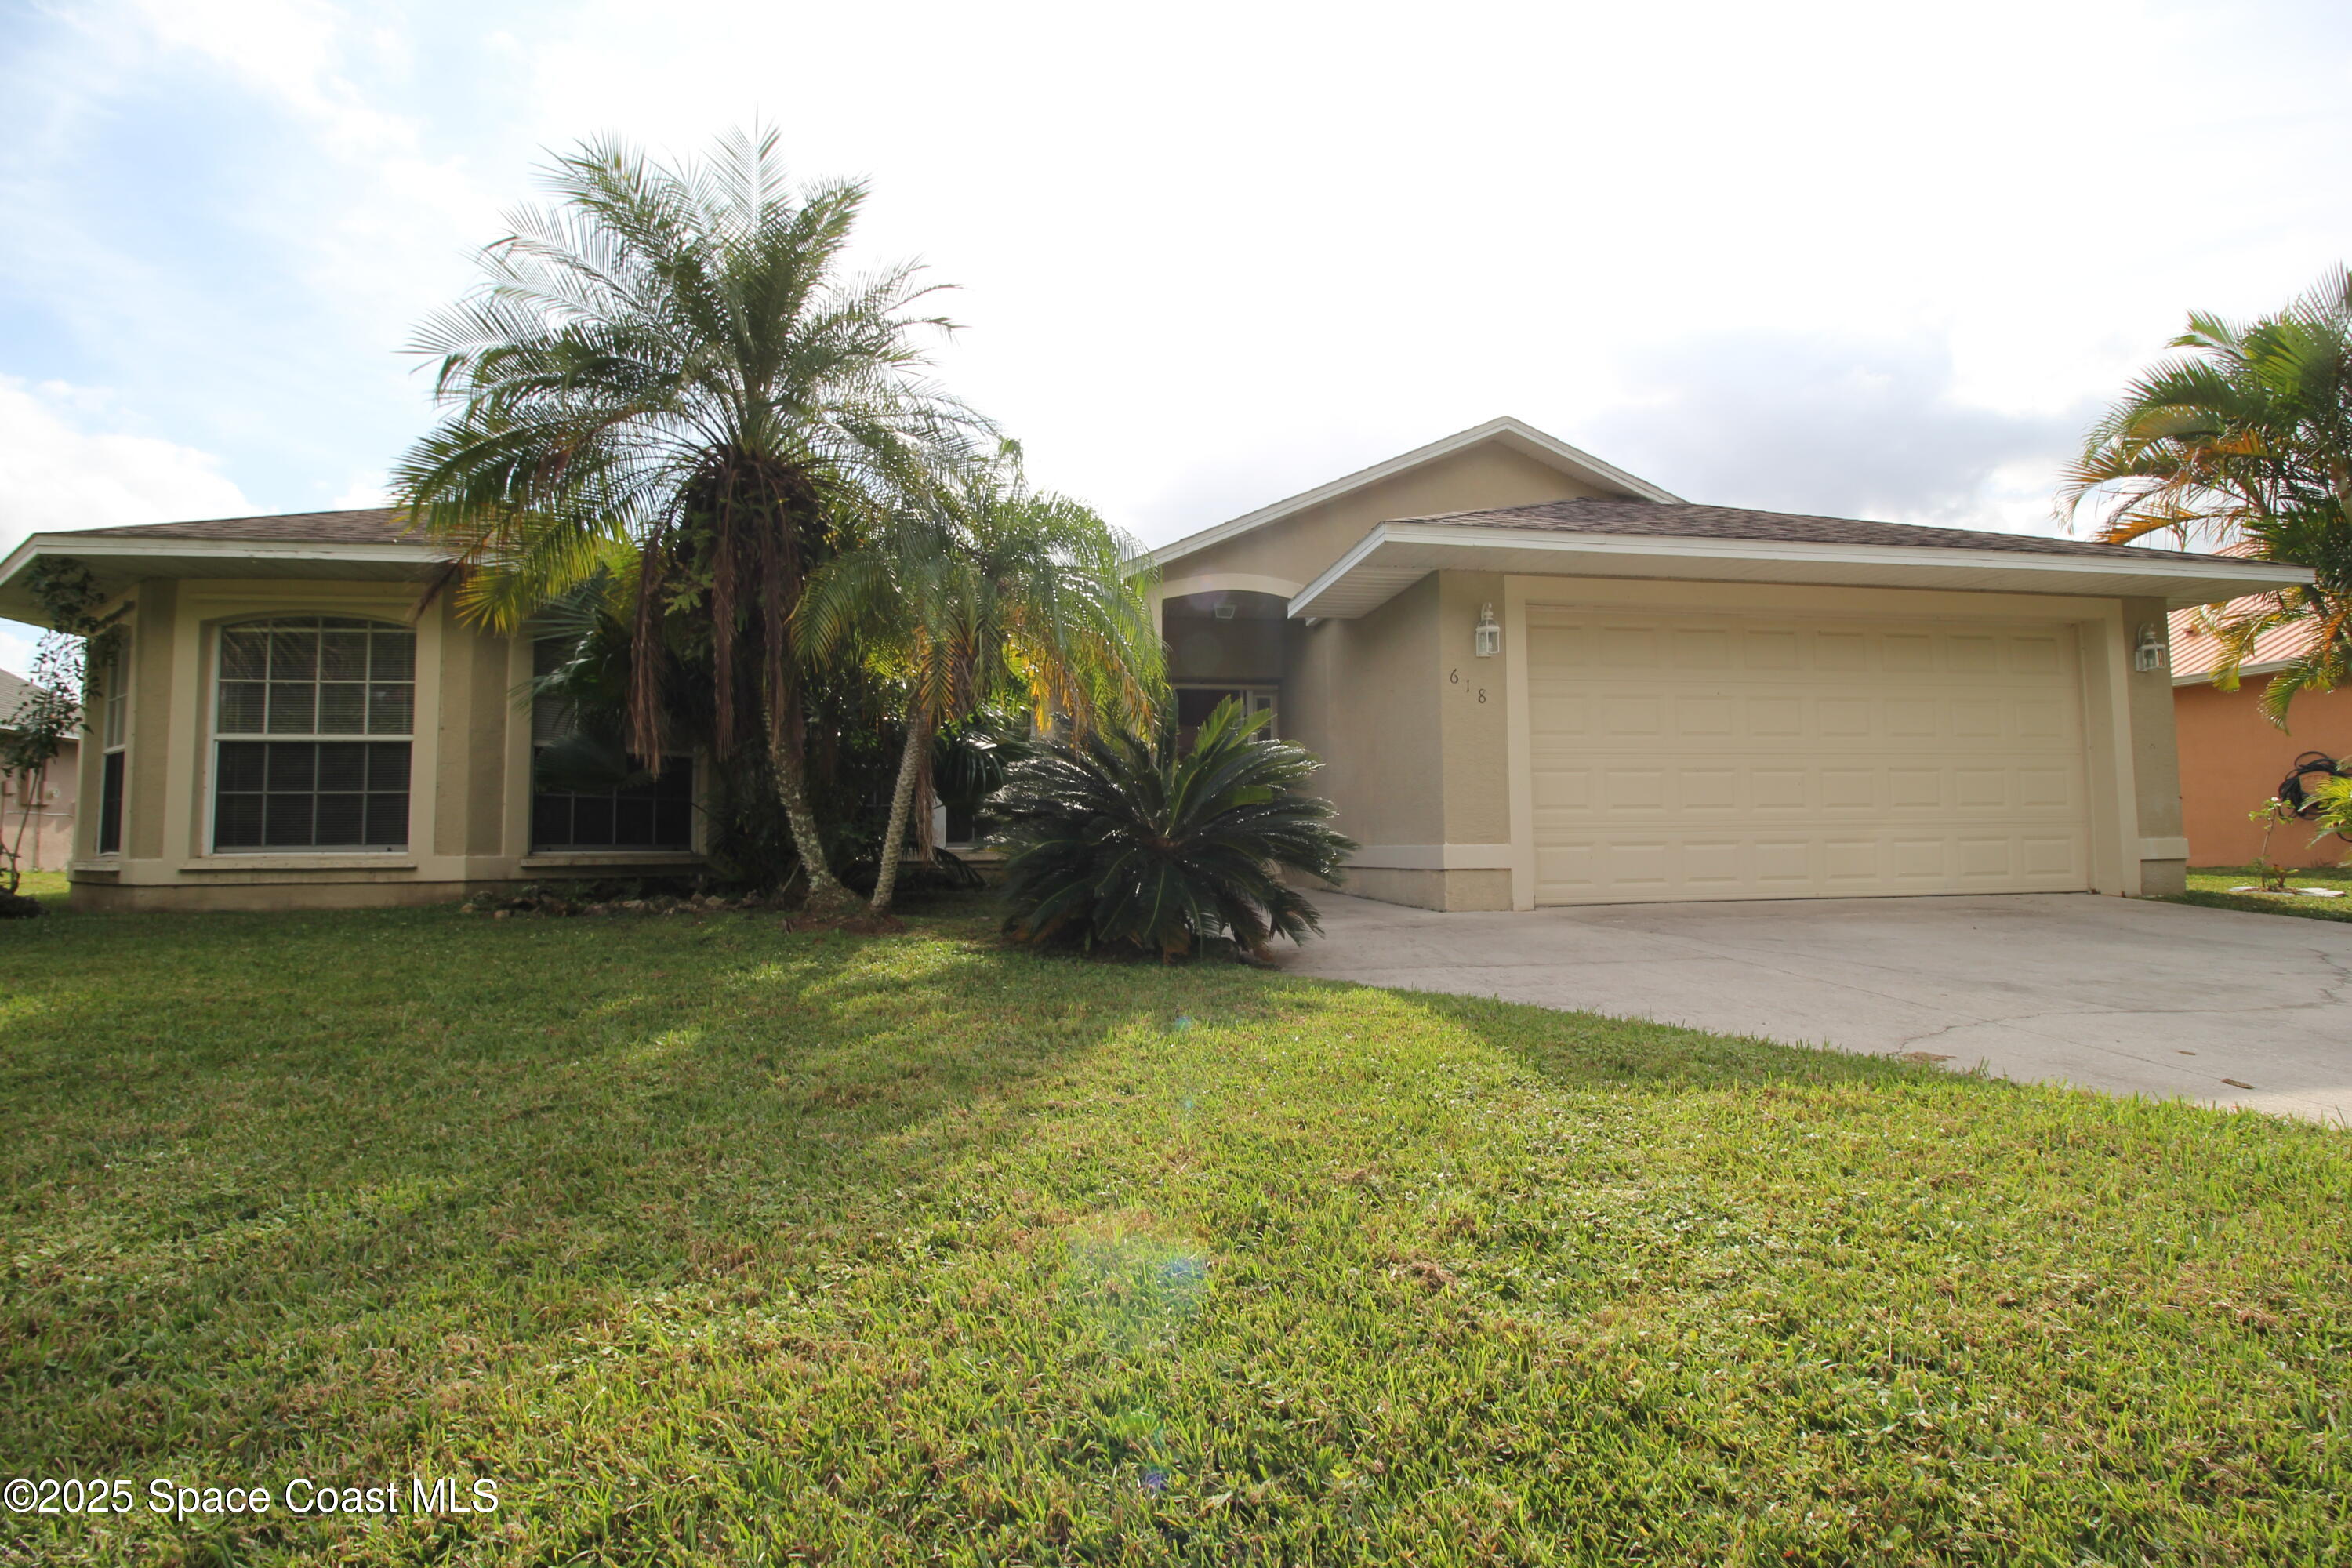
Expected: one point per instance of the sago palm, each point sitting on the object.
(994, 594)
(1125, 842)
(2244, 443)
(666, 374)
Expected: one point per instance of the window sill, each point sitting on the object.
(398, 861)
(558, 860)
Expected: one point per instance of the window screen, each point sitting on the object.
(657, 814)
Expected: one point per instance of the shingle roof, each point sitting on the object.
(1680, 519)
(374, 525)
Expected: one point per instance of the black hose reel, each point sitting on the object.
(2297, 789)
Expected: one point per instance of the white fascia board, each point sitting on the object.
(1675, 556)
(2205, 676)
(1516, 433)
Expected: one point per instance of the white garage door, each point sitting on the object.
(1714, 757)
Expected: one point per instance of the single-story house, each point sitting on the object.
(1538, 679)
(1534, 677)
(37, 810)
(285, 727)
(2232, 758)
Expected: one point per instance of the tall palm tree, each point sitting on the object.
(995, 594)
(2244, 443)
(668, 376)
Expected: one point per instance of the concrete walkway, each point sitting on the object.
(2111, 994)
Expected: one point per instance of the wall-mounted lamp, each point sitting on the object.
(2148, 653)
(1490, 634)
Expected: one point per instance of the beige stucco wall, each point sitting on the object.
(1413, 760)
(2155, 760)
(470, 759)
(1296, 550)
(1359, 694)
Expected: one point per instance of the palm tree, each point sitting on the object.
(992, 596)
(666, 375)
(2244, 443)
(1148, 846)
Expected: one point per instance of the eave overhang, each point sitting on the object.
(1395, 555)
(120, 560)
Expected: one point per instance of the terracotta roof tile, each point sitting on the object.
(2196, 650)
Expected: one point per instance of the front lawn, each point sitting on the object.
(709, 1243)
(2213, 888)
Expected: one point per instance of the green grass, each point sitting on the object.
(714, 1244)
(2210, 886)
(49, 887)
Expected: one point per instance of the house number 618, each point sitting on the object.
(1454, 674)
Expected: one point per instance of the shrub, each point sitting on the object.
(1118, 841)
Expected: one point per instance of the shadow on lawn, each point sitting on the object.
(1587, 1051)
(336, 1144)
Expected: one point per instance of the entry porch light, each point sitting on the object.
(1489, 641)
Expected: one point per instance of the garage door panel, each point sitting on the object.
(2033, 655)
(1745, 758)
(1638, 715)
(1700, 650)
(1629, 648)
(1703, 715)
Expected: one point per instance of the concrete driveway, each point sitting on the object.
(2110, 993)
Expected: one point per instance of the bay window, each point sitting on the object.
(312, 722)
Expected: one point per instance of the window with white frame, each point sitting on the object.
(114, 737)
(311, 724)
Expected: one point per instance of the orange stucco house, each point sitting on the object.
(2232, 758)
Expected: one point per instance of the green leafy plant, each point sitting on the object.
(1122, 842)
(2330, 809)
(79, 643)
(998, 596)
(2268, 873)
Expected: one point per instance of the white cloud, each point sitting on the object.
(366, 488)
(1214, 257)
(58, 473)
(1816, 422)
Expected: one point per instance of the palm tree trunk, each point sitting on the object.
(911, 769)
(827, 896)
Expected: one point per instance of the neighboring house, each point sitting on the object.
(2232, 758)
(46, 841)
(1535, 678)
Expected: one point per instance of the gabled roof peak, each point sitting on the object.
(1516, 434)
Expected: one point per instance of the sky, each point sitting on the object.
(1861, 259)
